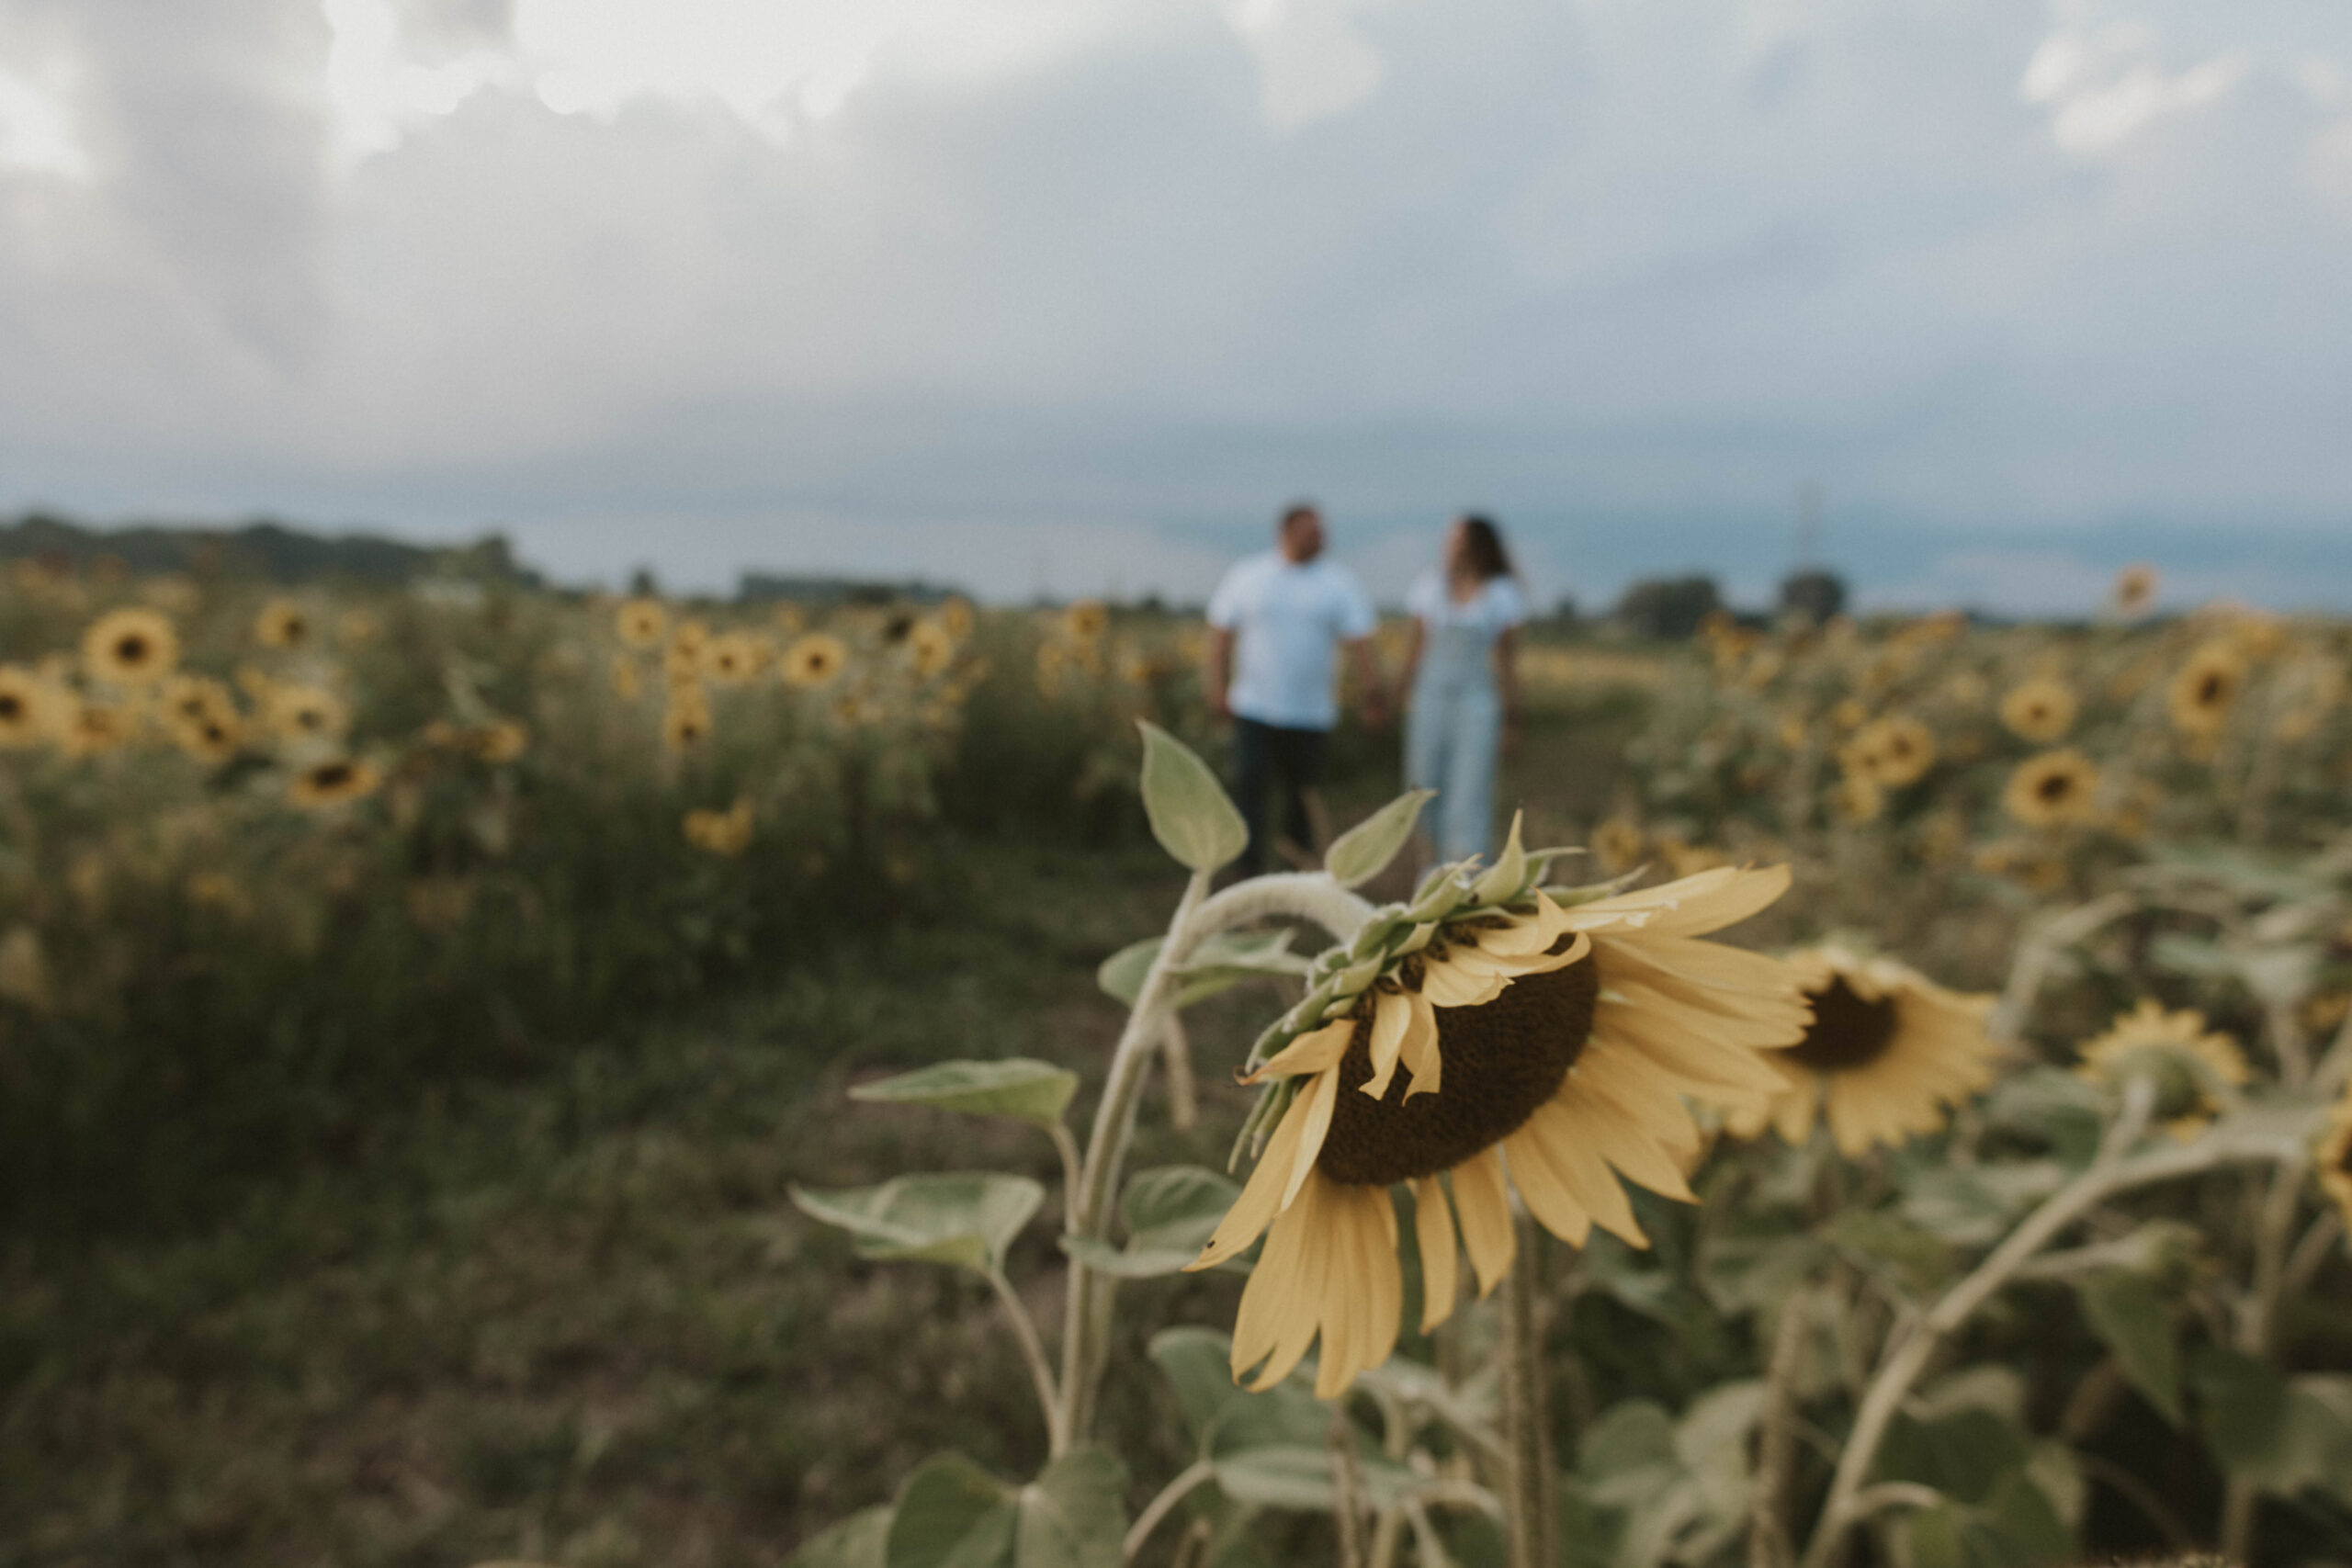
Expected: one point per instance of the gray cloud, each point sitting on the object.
(2007, 271)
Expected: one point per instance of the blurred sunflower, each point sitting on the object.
(727, 832)
(1895, 750)
(2192, 1066)
(626, 682)
(1618, 843)
(131, 647)
(2041, 710)
(732, 657)
(2207, 686)
(641, 623)
(815, 660)
(87, 728)
(1087, 619)
(27, 707)
(193, 697)
(1858, 799)
(2135, 589)
(209, 735)
(2053, 789)
(1558, 1038)
(681, 659)
(955, 615)
(931, 647)
(500, 740)
(2334, 1157)
(282, 624)
(1887, 1050)
(306, 713)
(335, 782)
(686, 723)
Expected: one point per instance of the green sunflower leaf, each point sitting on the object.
(1171, 1212)
(1223, 961)
(856, 1542)
(1364, 850)
(1016, 1088)
(2132, 1319)
(1190, 815)
(966, 1218)
(953, 1513)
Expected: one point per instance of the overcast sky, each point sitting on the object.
(1070, 295)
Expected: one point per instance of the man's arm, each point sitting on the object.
(1215, 678)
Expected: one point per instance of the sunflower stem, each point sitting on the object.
(1199, 916)
(1528, 1498)
(1033, 1351)
(2111, 1175)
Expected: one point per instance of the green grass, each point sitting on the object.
(574, 1318)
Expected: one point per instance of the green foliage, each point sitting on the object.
(1170, 1212)
(1018, 1088)
(1364, 850)
(967, 1219)
(2134, 1323)
(953, 1513)
(1191, 817)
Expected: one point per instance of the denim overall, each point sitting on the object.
(1452, 735)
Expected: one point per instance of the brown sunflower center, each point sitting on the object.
(1849, 1029)
(334, 775)
(2210, 690)
(132, 649)
(1503, 1060)
(12, 707)
(2055, 788)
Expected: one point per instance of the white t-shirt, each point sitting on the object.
(1497, 607)
(1288, 622)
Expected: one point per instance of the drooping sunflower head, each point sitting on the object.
(335, 782)
(1087, 619)
(2334, 1156)
(2135, 589)
(1887, 1052)
(2193, 1069)
(815, 660)
(641, 623)
(131, 647)
(282, 624)
(27, 707)
(2052, 790)
(2207, 686)
(2041, 710)
(1493, 1034)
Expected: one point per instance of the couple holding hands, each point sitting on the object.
(1278, 622)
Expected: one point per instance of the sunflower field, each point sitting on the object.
(495, 1075)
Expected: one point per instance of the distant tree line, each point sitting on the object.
(263, 548)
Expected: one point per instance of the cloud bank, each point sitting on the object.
(966, 284)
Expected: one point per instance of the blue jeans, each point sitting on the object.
(1453, 737)
(1284, 762)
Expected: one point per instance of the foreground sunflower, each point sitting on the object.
(2205, 687)
(2194, 1068)
(131, 647)
(815, 660)
(2052, 790)
(1887, 1051)
(2041, 710)
(2334, 1157)
(1495, 1036)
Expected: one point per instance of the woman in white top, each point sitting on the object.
(1460, 683)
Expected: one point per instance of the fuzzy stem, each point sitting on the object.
(2039, 956)
(1768, 1524)
(2241, 1502)
(1033, 1351)
(1528, 1498)
(1198, 917)
(2109, 1176)
(1160, 1506)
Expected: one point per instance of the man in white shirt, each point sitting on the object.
(1277, 622)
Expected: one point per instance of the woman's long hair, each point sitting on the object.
(1482, 548)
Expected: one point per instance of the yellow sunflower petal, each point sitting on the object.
(1311, 1052)
(1483, 1202)
(1433, 1230)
